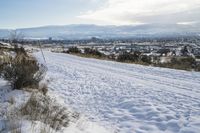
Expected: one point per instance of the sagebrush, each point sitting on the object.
(22, 70)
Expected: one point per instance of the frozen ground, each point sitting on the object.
(9, 125)
(125, 97)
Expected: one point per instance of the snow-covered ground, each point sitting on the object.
(10, 124)
(127, 98)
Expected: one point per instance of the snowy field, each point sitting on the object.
(18, 124)
(127, 98)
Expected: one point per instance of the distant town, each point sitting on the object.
(180, 53)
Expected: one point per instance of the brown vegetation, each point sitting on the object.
(22, 70)
(182, 63)
(43, 108)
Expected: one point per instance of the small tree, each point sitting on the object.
(15, 36)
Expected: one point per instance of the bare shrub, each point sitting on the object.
(182, 63)
(129, 57)
(23, 71)
(73, 50)
(93, 52)
(43, 108)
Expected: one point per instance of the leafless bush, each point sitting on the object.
(15, 36)
(23, 71)
(43, 108)
(73, 50)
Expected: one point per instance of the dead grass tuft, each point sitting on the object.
(43, 108)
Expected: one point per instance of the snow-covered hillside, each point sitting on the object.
(127, 98)
(18, 124)
(86, 31)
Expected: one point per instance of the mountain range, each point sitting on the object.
(84, 31)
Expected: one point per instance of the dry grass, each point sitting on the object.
(42, 108)
(11, 100)
(22, 71)
(11, 126)
(51, 116)
(12, 122)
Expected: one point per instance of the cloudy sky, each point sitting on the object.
(32, 13)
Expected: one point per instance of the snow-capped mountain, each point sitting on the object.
(88, 31)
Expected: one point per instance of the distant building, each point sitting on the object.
(50, 39)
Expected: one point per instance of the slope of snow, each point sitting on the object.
(127, 98)
(8, 125)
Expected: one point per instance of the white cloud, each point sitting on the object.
(122, 12)
(187, 23)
